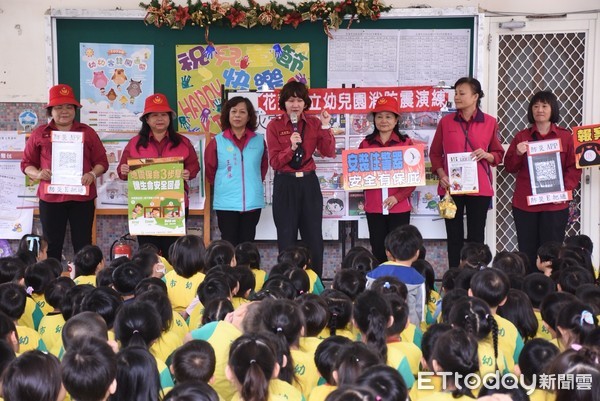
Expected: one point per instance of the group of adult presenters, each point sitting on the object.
(237, 159)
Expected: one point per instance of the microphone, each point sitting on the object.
(294, 120)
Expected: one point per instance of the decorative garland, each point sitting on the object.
(204, 14)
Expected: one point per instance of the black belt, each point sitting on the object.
(297, 174)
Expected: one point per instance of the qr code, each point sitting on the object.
(67, 160)
(546, 171)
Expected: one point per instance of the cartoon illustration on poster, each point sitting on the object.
(356, 203)
(115, 79)
(586, 140)
(202, 70)
(334, 204)
(112, 191)
(156, 203)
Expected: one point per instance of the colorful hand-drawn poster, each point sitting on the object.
(112, 191)
(462, 171)
(115, 79)
(401, 166)
(156, 202)
(587, 145)
(16, 216)
(202, 70)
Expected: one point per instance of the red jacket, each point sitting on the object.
(514, 163)
(449, 137)
(163, 148)
(373, 197)
(38, 153)
(279, 145)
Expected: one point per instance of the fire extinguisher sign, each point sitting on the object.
(156, 201)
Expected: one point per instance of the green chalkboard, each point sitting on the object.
(71, 31)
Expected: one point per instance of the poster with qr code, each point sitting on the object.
(67, 164)
(545, 171)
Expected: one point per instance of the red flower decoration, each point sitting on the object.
(294, 18)
(182, 15)
(235, 16)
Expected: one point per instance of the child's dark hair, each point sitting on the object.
(582, 363)
(371, 314)
(339, 306)
(87, 260)
(38, 276)
(192, 391)
(137, 376)
(12, 300)
(253, 360)
(161, 303)
(279, 269)
(572, 278)
(475, 317)
(137, 324)
(386, 382)
(352, 360)
(34, 375)
(537, 286)
(463, 278)
(126, 277)
(145, 259)
(507, 385)
(551, 306)
(399, 309)
(315, 312)
(430, 338)
(509, 263)
(247, 254)
(350, 282)
(583, 257)
(246, 280)
(456, 351)
(104, 278)
(491, 285)
(284, 318)
(325, 356)
(32, 243)
(105, 302)
(219, 252)
(187, 255)
(12, 269)
(214, 286)
(581, 241)
(426, 270)
(578, 320)
(72, 301)
(519, 311)
(404, 242)
(193, 362)
(299, 280)
(89, 367)
(280, 283)
(360, 259)
(535, 357)
(549, 251)
(297, 255)
(27, 257)
(450, 299)
(389, 285)
(351, 393)
(216, 310)
(53, 265)
(85, 324)
(475, 256)
(589, 294)
(150, 284)
(7, 329)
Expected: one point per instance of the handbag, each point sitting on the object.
(447, 207)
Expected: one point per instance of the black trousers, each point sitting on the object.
(162, 242)
(537, 228)
(476, 208)
(54, 217)
(298, 205)
(380, 225)
(238, 227)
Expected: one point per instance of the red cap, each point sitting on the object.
(157, 103)
(62, 94)
(386, 103)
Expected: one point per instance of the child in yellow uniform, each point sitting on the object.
(12, 302)
(325, 358)
(33, 376)
(51, 325)
(393, 332)
(246, 284)
(37, 278)
(247, 254)
(316, 317)
(88, 261)
(433, 383)
(372, 314)
(340, 313)
(187, 257)
(537, 286)
(32, 315)
(533, 362)
(193, 362)
(492, 286)
(455, 352)
(549, 309)
(385, 382)
(299, 256)
(432, 297)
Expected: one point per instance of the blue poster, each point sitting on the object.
(115, 79)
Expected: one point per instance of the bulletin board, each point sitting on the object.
(68, 27)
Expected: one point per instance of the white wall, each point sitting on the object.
(23, 58)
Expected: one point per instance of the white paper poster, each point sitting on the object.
(462, 173)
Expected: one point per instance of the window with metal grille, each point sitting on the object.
(528, 63)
